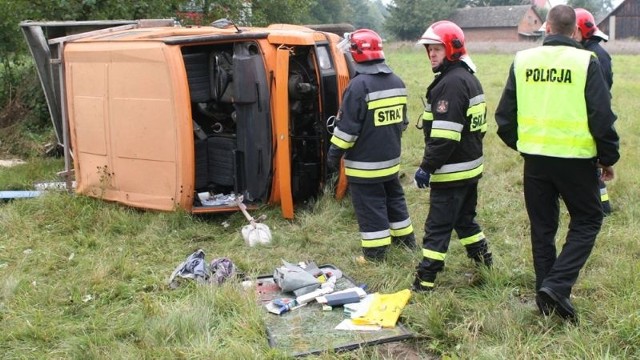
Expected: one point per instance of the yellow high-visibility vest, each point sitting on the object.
(552, 112)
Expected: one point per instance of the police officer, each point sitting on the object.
(454, 124)
(368, 133)
(590, 37)
(556, 111)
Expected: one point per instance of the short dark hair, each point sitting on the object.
(562, 20)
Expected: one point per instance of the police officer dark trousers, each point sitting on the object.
(368, 133)
(546, 178)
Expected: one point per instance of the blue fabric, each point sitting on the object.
(421, 178)
(333, 157)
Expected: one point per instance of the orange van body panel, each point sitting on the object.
(281, 124)
(343, 81)
(106, 119)
(128, 91)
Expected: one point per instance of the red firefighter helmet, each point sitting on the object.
(448, 34)
(587, 25)
(365, 45)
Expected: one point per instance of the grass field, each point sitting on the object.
(85, 279)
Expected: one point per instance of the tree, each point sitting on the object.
(203, 12)
(494, 2)
(365, 15)
(596, 7)
(408, 19)
(265, 12)
(359, 13)
(57, 10)
(329, 11)
(11, 40)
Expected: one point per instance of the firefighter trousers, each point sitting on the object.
(382, 216)
(451, 209)
(546, 179)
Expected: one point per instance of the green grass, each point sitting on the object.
(86, 279)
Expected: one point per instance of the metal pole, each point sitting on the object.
(65, 120)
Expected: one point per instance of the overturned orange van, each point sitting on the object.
(154, 115)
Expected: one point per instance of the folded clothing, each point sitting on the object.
(385, 309)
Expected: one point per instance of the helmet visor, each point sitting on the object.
(429, 37)
(425, 41)
(601, 35)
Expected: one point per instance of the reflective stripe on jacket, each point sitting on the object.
(454, 123)
(369, 127)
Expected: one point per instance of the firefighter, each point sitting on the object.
(368, 133)
(454, 124)
(555, 110)
(590, 37)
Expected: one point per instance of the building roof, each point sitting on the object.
(601, 20)
(489, 16)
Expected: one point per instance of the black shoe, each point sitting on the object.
(543, 307)
(561, 305)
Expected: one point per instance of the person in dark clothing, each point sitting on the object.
(590, 37)
(368, 133)
(454, 124)
(556, 111)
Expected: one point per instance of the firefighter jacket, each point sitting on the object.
(584, 111)
(454, 124)
(369, 127)
(593, 44)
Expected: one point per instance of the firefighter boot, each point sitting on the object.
(606, 208)
(408, 241)
(374, 254)
(480, 254)
(485, 259)
(424, 280)
(421, 286)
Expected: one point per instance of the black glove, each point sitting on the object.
(333, 158)
(421, 179)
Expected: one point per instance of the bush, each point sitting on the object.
(24, 118)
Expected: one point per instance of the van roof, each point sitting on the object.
(278, 33)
